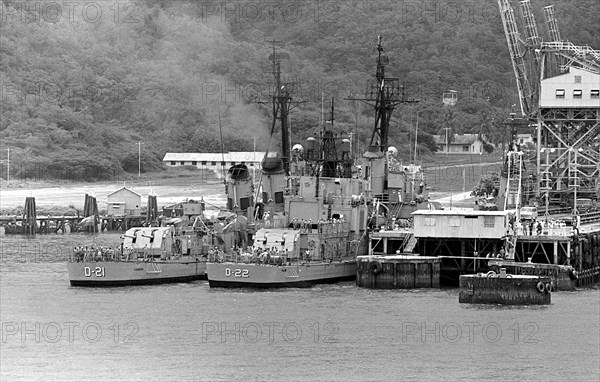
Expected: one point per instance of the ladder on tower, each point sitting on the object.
(546, 179)
(514, 182)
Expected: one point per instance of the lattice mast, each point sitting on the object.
(386, 93)
(281, 108)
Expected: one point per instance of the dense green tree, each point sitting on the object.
(78, 94)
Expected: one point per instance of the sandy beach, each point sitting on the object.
(72, 195)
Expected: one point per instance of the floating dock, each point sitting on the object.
(398, 272)
(563, 277)
(506, 289)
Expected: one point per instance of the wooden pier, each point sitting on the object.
(466, 241)
(30, 223)
(69, 224)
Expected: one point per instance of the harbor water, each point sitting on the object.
(339, 332)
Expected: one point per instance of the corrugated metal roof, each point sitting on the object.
(235, 156)
(458, 139)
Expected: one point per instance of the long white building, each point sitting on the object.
(215, 161)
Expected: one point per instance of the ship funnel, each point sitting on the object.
(272, 162)
(311, 146)
(345, 145)
(239, 172)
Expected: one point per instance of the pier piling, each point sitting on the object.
(29, 217)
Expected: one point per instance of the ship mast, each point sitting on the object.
(383, 94)
(281, 107)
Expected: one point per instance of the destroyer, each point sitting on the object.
(147, 255)
(311, 222)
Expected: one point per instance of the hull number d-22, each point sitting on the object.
(98, 271)
(236, 272)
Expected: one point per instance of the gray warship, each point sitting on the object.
(147, 255)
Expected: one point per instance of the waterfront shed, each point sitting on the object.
(460, 224)
(124, 202)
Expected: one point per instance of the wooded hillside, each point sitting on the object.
(83, 84)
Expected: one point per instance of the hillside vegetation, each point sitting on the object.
(82, 85)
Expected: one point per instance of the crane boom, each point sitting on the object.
(531, 32)
(551, 23)
(515, 49)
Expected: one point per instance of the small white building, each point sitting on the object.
(460, 144)
(124, 202)
(524, 139)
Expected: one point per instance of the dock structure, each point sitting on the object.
(30, 223)
(563, 277)
(467, 240)
(505, 289)
(90, 214)
(29, 217)
(70, 224)
(398, 272)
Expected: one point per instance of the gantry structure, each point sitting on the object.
(558, 86)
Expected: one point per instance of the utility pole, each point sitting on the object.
(139, 159)
(8, 165)
(416, 134)
(447, 139)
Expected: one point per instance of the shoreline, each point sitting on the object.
(67, 198)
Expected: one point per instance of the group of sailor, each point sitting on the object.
(92, 253)
(247, 255)
(302, 225)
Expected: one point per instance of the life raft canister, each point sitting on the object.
(375, 267)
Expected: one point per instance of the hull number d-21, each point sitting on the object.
(236, 272)
(98, 271)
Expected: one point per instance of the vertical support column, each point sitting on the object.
(29, 217)
(555, 252)
(538, 155)
(463, 253)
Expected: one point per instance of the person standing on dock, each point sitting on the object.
(531, 225)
